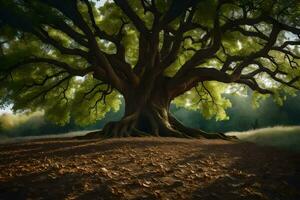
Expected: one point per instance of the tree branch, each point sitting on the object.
(138, 23)
(62, 65)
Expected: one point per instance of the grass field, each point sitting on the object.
(287, 137)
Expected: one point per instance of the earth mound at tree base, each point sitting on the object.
(147, 168)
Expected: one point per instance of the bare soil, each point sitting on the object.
(147, 168)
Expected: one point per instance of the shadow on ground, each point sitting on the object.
(147, 168)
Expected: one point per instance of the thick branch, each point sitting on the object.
(261, 53)
(203, 54)
(44, 37)
(62, 65)
(138, 23)
(273, 75)
(196, 75)
(254, 86)
(77, 37)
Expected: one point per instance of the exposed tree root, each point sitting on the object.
(128, 126)
(196, 133)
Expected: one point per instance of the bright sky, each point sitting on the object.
(100, 2)
(6, 110)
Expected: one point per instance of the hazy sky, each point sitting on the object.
(100, 2)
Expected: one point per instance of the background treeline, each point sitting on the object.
(36, 124)
(242, 117)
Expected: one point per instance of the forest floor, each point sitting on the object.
(147, 168)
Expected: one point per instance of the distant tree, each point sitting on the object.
(149, 52)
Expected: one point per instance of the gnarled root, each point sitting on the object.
(159, 126)
(197, 133)
(123, 128)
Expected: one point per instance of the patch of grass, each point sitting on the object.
(287, 137)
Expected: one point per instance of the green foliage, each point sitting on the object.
(69, 98)
(257, 98)
(87, 108)
(208, 98)
(110, 18)
(205, 13)
(130, 41)
(10, 121)
(237, 44)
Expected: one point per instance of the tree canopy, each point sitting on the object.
(74, 59)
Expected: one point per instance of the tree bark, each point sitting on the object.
(146, 113)
(149, 115)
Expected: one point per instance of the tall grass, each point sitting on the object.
(287, 137)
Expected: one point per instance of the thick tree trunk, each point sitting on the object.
(147, 114)
(151, 117)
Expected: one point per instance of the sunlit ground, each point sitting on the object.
(147, 168)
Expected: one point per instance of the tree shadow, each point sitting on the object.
(226, 171)
(50, 185)
(256, 173)
(71, 147)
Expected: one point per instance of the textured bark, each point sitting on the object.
(148, 115)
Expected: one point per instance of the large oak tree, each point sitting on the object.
(76, 59)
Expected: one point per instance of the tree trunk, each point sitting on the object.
(151, 117)
(147, 114)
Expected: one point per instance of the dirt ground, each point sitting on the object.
(147, 168)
